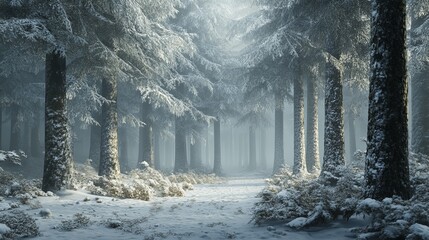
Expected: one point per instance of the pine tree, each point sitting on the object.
(387, 170)
(299, 164)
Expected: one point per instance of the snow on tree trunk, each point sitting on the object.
(123, 149)
(387, 170)
(252, 148)
(217, 161)
(299, 165)
(58, 164)
(312, 146)
(146, 152)
(1, 127)
(196, 149)
(352, 135)
(109, 162)
(419, 94)
(333, 157)
(15, 136)
(278, 132)
(95, 141)
(181, 157)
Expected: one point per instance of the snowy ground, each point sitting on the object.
(220, 211)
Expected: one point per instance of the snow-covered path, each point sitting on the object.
(219, 211)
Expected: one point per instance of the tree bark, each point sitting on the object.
(123, 149)
(196, 149)
(15, 125)
(95, 141)
(58, 164)
(299, 165)
(109, 162)
(35, 136)
(1, 127)
(387, 169)
(146, 151)
(333, 157)
(157, 147)
(181, 156)
(252, 148)
(352, 135)
(278, 134)
(217, 162)
(312, 148)
(262, 151)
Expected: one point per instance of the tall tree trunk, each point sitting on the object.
(252, 148)
(217, 162)
(15, 125)
(146, 153)
(109, 162)
(25, 138)
(312, 148)
(196, 149)
(299, 165)
(35, 136)
(1, 127)
(352, 135)
(95, 141)
(387, 170)
(262, 151)
(419, 95)
(181, 157)
(157, 147)
(123, 149)
(333, 157)
(58, 163)
(278, 134)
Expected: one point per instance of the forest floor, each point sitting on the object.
(216, 211)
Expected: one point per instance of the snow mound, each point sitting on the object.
(142, 184)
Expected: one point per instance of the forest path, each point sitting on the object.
(210, 211)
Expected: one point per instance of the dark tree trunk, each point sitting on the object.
(58, 164)
(333, 157)
(312, 148)
(95, 141)
(25, 138)
(299, 165)
(262, 151)
(157, 147)
(252, 148)
(217, 162)
(278, 134)
(146, 152)
(15, 125)
(35, 136)
(123, 149)
(1, 127)
(181, 157)
(387, 170)
(352, 135)
(109, 162)
(419, 94)
(196, 150)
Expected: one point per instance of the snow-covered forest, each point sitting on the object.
(214, 119)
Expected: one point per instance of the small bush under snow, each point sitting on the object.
(143, 184)
(79, 221)
(302, 202)
(21, 225)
